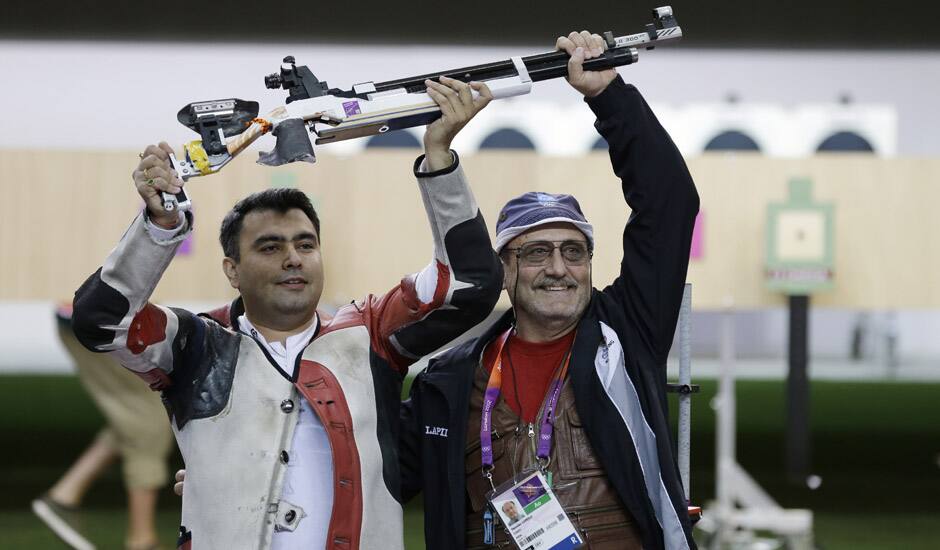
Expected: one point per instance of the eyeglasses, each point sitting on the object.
(538, 253)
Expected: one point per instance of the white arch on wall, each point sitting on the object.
(568, 130)
(876, 123)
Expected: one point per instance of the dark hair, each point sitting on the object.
(279, 199)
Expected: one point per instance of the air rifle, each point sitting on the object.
(228, 126)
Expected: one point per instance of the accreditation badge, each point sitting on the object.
(532, 515)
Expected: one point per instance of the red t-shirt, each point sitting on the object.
(531, 366)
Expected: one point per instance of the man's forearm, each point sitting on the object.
(460, 286)
(108, 301)
(642, 153)
(438, 159)
(448, 200)
(660, 192)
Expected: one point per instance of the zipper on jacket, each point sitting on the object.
(538, 420)
(515, 449)
(531, 434)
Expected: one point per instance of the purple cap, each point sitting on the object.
(532, 209)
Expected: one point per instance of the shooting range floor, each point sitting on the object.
(876, 447)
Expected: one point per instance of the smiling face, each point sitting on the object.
(279, 273)
(548, 299)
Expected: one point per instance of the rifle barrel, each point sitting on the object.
(544, 66)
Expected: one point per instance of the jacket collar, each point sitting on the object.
(442, 374)
(585, 344)
(227, 314)
(586, 340)
(468, 352)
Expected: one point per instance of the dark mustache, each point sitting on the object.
(555, 281)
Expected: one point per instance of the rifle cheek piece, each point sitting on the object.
(218, 119)
(293, 144)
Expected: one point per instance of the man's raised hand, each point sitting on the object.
(458, 105)
(153, 176)
(582, 46)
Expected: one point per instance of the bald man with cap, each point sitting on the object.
(572, 379)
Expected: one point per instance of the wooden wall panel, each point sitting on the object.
(63, 211)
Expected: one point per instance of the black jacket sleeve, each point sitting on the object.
(663, 201)
(409, 448)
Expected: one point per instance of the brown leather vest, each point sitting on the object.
(578, 480)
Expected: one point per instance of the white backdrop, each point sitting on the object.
(112, 95)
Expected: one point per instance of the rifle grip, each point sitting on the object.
(179, 201)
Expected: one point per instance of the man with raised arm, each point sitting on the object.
(288, 419)
(563, 400)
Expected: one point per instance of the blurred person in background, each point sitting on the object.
(287, 419)
(136, 432)
(608, 456)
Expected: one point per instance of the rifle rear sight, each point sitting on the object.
(299, 82)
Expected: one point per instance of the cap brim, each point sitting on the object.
(510, 233)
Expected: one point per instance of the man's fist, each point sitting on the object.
(458, 105)
(582, 46)
(154, 175)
